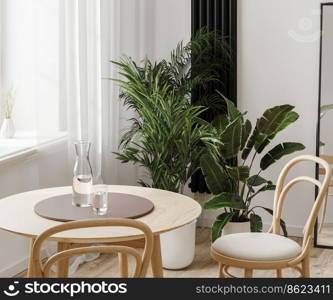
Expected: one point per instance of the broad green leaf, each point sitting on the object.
(278, 152)
(268, 187)
(290, 118)
(218, 225)
(224, 200)
(255, 223)
(233, 112)
(204, 123)
(256, 180)
(240, 173)
(272, 118)
(215, 177)
(220, 122)
(282, 223)
(250, 143)
(263, 140)
(231, 138)
(246, 131)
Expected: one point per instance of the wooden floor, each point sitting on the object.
(325, 237)
(204, 266)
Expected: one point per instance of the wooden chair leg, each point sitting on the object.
(248, 273)
(278, 273)
(221, 273)
(306, 267)
(323, 215)
(31, 272)
(156, 258)
(63, 264)
(123, 265)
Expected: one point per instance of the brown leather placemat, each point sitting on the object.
(60, 208)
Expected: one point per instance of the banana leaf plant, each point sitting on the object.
(233, 185)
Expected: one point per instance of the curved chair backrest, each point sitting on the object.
(40, 269)
(282, 190)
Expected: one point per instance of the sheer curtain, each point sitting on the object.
(124, 31)
(92, 33)
(80, 73)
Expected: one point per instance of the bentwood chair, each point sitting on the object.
(38, 268)
(270, 250)
(329, 159)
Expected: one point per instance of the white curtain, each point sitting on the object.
(80, 69)
(92, 33)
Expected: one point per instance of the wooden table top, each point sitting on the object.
(171, 210)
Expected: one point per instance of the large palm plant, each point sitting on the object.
(197, 65)
(167, 137)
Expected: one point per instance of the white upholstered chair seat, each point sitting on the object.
(257, 246)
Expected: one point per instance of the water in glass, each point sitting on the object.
(100, 202)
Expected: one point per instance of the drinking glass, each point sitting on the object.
(100, 200)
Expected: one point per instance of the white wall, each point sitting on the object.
(172, 24)
(278, 62)
(45, 169)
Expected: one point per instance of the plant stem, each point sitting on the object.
(252, 161)
(249, 191)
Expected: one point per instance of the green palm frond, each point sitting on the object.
(166, 135)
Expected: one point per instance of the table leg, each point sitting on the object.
(123, 265)
(63, 264)
(156, 258)
(30, 272)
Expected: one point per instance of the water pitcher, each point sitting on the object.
(82, 177)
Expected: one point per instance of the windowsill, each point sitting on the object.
(25, 144)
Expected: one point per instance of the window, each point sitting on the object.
(29, 36)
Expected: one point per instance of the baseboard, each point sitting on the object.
(292, 230)
(14, 269)
(18, 267)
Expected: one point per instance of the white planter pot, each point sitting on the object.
(236, 227)
(7, 130)
(178, 247)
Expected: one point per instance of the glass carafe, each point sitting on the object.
(82, 176)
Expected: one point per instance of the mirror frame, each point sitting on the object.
(322, 6)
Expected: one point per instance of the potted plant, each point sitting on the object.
(7, 130)
(167, 136)
(228, 174)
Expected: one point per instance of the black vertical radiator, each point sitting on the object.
(219, 16)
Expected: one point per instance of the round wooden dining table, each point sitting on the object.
(171, 211)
